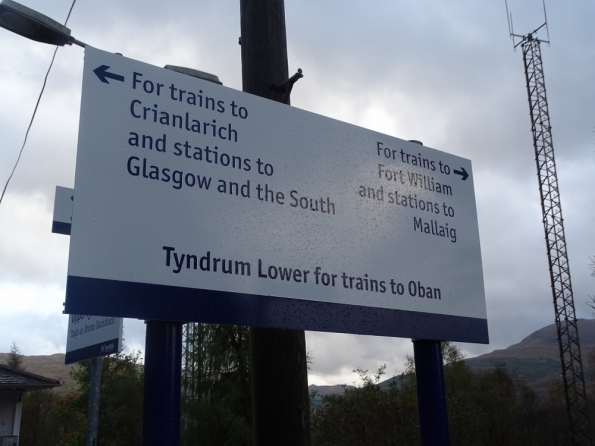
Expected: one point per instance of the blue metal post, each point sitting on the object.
(162, 388)
(431, 395)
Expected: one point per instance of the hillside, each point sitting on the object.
(536, 359)
(543, 343)
(50, 366)
(318, 392)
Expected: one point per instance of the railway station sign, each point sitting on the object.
(197, 202)
(87, 336)
(62, 219)
(92, 337)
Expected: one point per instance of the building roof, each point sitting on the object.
(13, 379)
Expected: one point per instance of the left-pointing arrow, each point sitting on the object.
(104, 75)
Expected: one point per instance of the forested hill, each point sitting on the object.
(543, 343)
(536, 359)
(50, 366)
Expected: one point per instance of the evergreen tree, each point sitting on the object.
(15, 358)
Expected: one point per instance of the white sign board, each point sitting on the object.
(196, 202)
(87, 336)
(92, 337)
(62, 220)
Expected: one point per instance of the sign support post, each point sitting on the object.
(162, 387)
(280, 406)
(94, 394)
(431, 395)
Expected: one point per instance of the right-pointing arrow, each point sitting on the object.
(463, 173)
(103, 75)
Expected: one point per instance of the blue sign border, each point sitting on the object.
(161, 302)
(93, 351)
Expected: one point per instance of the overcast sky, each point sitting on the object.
(441, 72)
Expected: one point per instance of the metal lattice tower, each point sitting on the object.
(566, 323)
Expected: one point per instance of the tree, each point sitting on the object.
(40, 420)
(493, 394)
(121, 402)
(368, 414)
(15, 358)
(529, 416)
(216, 390)
(485, 408)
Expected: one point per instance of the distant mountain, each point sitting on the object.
(50, 366)
(328, 390)
(543, 343)
(318, 392)
(536, 359)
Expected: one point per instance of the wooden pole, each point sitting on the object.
(280, 402)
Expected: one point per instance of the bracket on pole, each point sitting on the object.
(287, 86)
